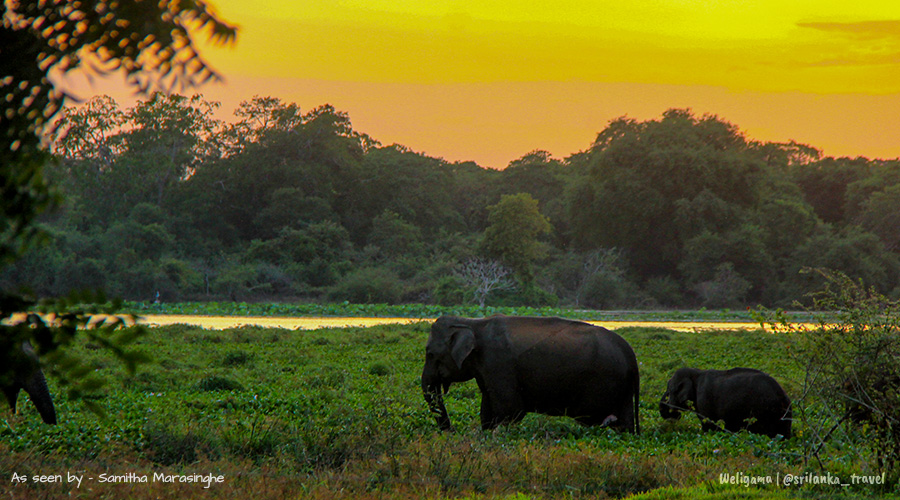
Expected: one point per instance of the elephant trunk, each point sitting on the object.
(431, 390)
(666, 410)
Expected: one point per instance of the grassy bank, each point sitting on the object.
(339, 414)
(432, 311)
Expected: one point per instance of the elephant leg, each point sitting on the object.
(496, 410)
(488, 421)
(36, 387)
(31, 379)
(784, 426)
(12, 393)
(503, 415)
(626, 418)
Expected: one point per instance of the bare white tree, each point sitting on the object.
(484, 276)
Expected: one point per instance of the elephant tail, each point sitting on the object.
(637, 403)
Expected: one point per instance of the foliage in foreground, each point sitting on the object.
(52, 328)
(851, 371)
(153, 45)
(338, 413)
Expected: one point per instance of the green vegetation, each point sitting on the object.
(851, 374)
(164, 201)
(428, 311)
(338, 413)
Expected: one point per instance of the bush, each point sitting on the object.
(216, 383)
(236, 358)
(530, 295)
(726, 288)
(369, 285)
(167, 447)
(664, 290)
(852, 383)
(380, 369)
(449, 291)
(602, 291)
(79, 274)
(326, 377)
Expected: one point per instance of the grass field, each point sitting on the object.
(338, 413)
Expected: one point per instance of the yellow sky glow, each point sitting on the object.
(491, 80)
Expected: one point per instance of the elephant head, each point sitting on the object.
(449, 347)
(681, 394)
(666, 411)
(30, 378)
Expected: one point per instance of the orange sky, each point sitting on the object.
(492, 80)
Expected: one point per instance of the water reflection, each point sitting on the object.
(222, 322)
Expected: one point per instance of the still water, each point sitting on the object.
(221, 322)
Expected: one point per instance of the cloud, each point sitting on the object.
(856, 44)
(866, 30)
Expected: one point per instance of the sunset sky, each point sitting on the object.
(490, 80)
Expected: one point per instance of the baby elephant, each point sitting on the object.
(743, 398)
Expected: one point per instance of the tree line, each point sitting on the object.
(165, 201)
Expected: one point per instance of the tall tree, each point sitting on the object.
(113, 160)
(88, 147)
(411, 185)
(318, 158)
(644, 173)
(91, 132)
(515, 224)
(543, 177)
(170, 136)
(880, 214)
(259, 117)
(825, 184)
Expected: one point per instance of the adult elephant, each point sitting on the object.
(743, 398)
(28, 376)
(545, 365)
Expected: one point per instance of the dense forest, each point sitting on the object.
(165, 202)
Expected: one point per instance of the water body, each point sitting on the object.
(306, 323)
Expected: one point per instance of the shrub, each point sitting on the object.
(167, 447)
(236, 358)
(449, 291)
(216, 383)
(379, 369)
(603, 291)
(326, 377)
(852, 383)
(664, 290)
(726, 288)
(369, 285)
(528, 295)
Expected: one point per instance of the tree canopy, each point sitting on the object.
(284, 204)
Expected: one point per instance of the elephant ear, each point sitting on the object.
(462, 343)
(685, 391)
